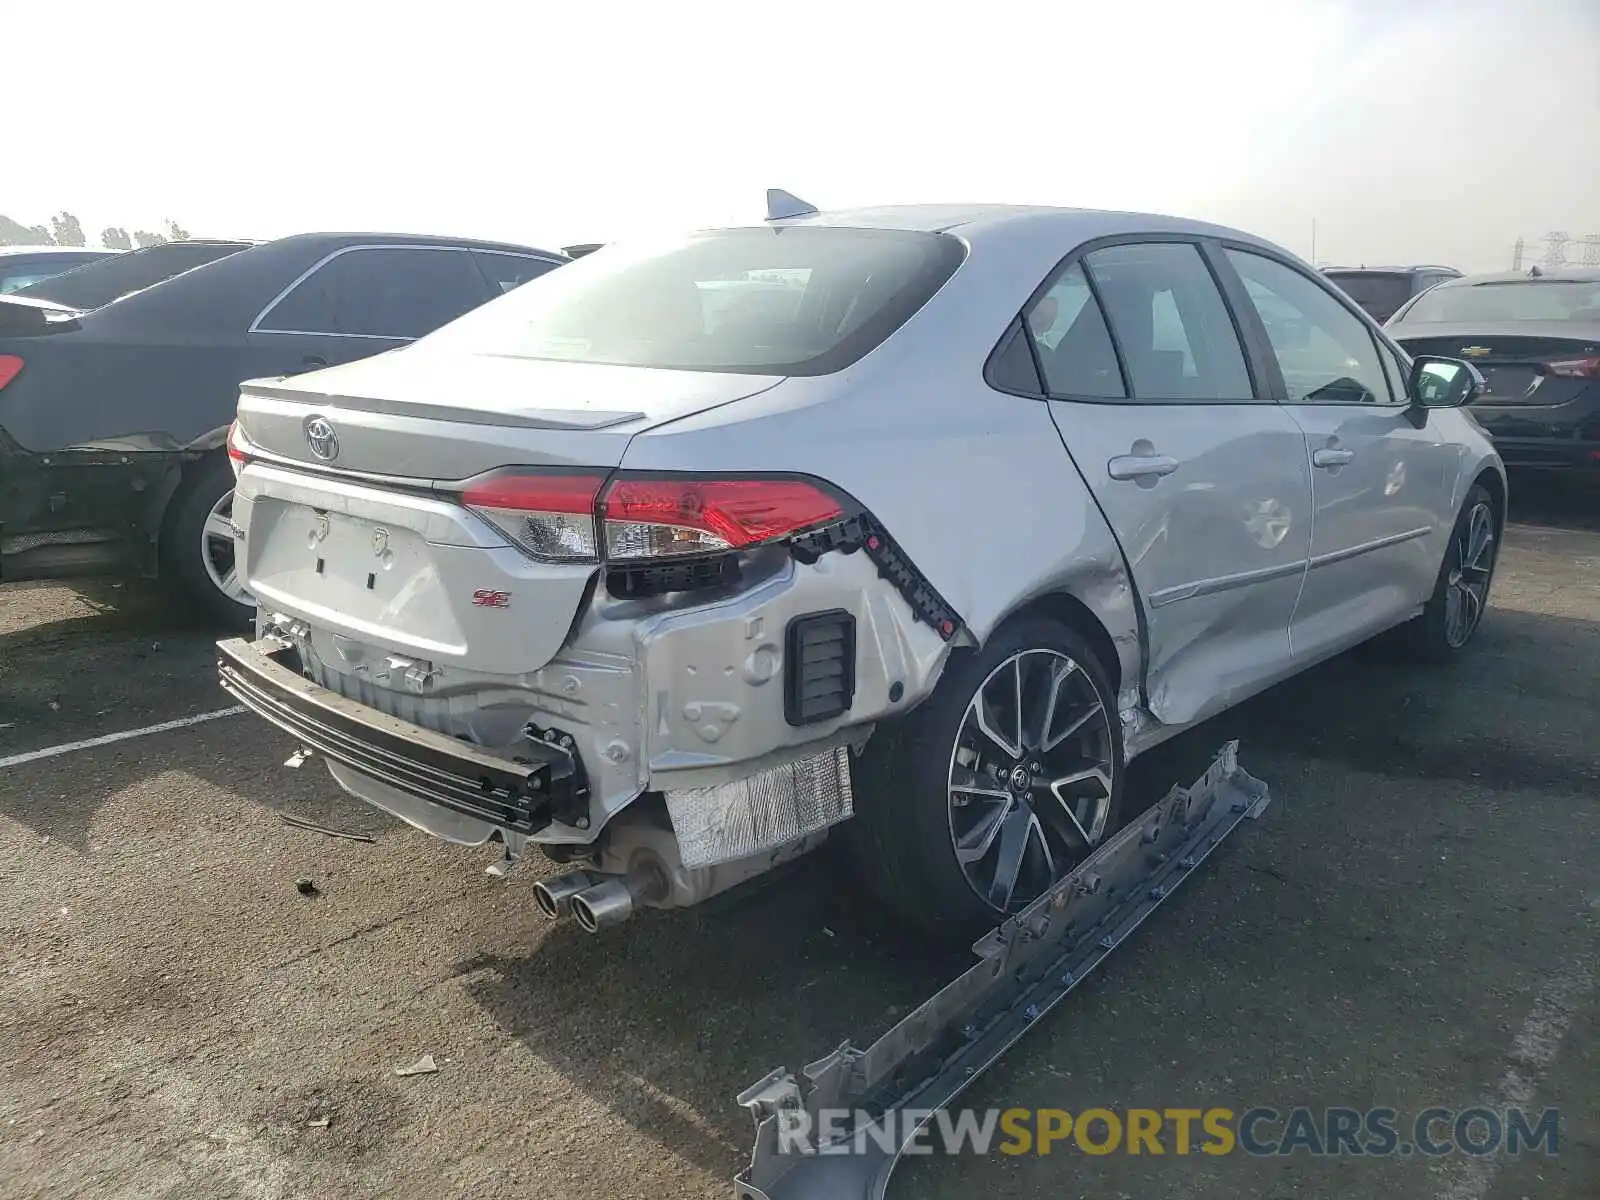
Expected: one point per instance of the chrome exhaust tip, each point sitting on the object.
(608, 903)
(554, 895)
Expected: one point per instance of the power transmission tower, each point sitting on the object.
(1591, 250)
(1555, 254)
(1516, 254)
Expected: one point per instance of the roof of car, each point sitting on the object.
(1079, 223)
(48, 250)
(1392, 270)
(1537, 274)
(334, 240)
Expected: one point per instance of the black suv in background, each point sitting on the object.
(1382, 290)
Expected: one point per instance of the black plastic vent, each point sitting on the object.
(819, 667)
(632, 583)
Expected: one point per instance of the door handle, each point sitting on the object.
(1331, 458)
(1141, 466)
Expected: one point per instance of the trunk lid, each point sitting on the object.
(416, 414)
(1521, 362)
(371, 547)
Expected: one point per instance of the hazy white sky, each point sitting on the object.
(1414, 129)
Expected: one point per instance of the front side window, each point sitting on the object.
(394, 292)
(1170, 323)
(781, 300)
(1326, 353)
(1074, 347)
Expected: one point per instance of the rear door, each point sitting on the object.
(1202, 478)
(1378, 467)
(363, 300)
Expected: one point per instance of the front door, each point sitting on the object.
(1204, 482)
(1378, 475)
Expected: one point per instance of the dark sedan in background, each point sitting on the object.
(21, 266)
(118, 383)
(1535, 335)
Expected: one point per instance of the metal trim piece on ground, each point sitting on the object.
(1025, 967)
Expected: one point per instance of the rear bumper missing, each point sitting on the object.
(521, 795)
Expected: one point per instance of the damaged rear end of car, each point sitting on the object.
(492, 626)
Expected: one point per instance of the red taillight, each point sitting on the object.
(10, 368)
(567, 517)
(551, 516)
(1576, 368)
(236, 445)
(654, 518)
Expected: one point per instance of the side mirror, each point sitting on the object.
(1444, 382)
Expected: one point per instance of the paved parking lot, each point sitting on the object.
(1416, 922)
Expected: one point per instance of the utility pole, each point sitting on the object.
(1313, 241)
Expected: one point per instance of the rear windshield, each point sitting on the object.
(97, 284)
(1513, 300)
(785, 300)
(1379, 293)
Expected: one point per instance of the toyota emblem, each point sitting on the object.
(323, 439)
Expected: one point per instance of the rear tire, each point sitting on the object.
(1461, 593)
(955, 830)
(197, 546)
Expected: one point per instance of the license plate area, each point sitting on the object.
(361, 568)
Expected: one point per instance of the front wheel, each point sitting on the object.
(198, 545)
(1000, 783)
(1461, 593)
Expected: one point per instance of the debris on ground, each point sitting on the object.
(306, 886)
(321, 1122)
(302, 823)
(298, 757)
(423, 1066)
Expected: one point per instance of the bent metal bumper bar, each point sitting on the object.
(1024, 969)
(446, 771)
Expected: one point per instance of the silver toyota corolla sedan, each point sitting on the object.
(910, 525)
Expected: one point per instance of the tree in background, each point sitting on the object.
(13, 233)
(68, 230)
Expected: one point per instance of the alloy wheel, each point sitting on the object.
(1031, 777)
(1467, 588)
(218, 548)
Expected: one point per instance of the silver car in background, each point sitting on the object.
(910, 524)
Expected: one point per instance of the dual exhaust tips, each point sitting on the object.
(595, 901)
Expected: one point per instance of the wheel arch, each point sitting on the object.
(1494, 482)
(1064, 606)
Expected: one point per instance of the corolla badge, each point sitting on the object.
(323, 439)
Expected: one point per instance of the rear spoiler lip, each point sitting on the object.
(25, 315)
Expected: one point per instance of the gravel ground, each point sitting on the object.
(1420, 906)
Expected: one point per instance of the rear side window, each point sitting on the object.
(504, 271)
(1177, 340)
(781, 300)
(392, 292)
(1074, 346)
